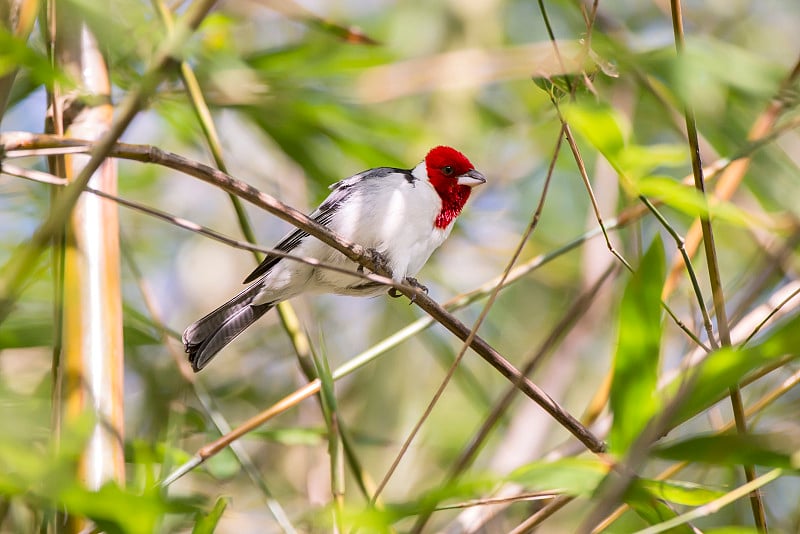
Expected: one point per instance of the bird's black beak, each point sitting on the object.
(471, 178)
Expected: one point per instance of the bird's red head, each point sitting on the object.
(453, 176)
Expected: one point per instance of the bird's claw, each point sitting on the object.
(413, 282)
(378, 260)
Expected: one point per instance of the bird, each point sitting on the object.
(400, 215)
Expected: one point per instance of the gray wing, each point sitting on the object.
(323, 214)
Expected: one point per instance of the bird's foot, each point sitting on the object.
(378, 260)
(413, 282)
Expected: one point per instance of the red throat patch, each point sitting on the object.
(444, 165)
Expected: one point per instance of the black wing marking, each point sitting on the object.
(323, 214)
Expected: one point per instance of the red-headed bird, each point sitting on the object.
(404, 215)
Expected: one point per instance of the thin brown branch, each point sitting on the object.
(354, 252)
(575, 312)
(43, 177)
(712, 261)
(17, 270)
(543, 513)
(729, 180)
(485, 311)
(587, 183)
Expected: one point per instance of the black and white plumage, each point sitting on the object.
(403, 214)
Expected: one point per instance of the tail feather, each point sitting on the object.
(204, 338)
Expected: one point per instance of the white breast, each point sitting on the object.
(394, 216)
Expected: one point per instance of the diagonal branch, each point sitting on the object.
(354, 252)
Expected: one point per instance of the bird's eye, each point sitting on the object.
(447, 170)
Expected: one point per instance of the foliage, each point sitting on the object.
(302, 98)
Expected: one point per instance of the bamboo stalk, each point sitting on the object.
(89, 373)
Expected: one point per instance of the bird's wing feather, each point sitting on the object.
(289, 242)
(339, 192)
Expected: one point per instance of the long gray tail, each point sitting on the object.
(204, 338)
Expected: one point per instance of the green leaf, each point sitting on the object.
(650, 500)
(223, 465)
(722, 369)
(607, 131)
(15, 53)
(710, 67)
(42, 473)
(679, 492)
(733, 449)
(599, 124)
(689, 200)
(639, 160)
(574, 476)
(292, 436)
(115, 509)
(732, 530)
(633, 391)
(653, 511)
(207, 523)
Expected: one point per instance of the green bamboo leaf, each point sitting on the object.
(640, 160)
(42, 473)
(653, 511)
(15, 53)
(734, 449)
(633, 392)
(711, 66)
(650, 500)
(724, 368)
(606, 131)
(223, 465)
(669, 525)
(680, 492)
(292, 436)
(601, 125)
(690, 201)
(116, 509)
(207, 523)
(732, 530)
(573, 476)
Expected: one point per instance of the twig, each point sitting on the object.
(543, 513)
(493, 296)
(758, 406)
(759, 514)
(716, 505)
(568, 320)
(679, 243)
(17, 270)
(43, 177)
(359, 255)
(585, 177)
